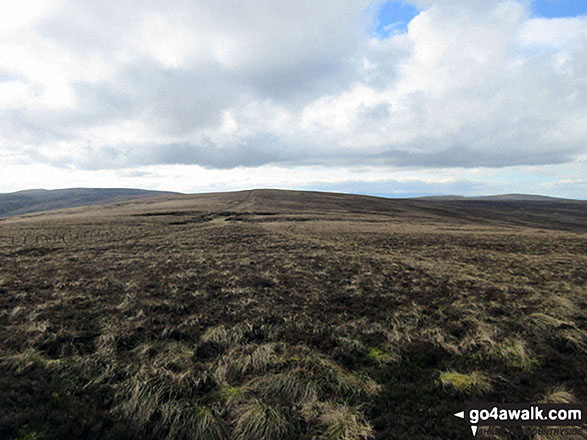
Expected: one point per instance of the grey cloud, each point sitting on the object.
(258, 150)
(254, 153)
(180, 101)
(378, 112)
(296, 85)
(27, 126)
(460, 156)
(267, 149)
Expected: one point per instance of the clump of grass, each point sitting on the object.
(232, 396)
(515, 353)
(546, 322)
(256, 420)
(438, 337)
(239, 334)
(352, 345)
(465, 383)
(28, 359)
(566, 331)
(189, 421)
(141, 396)
(224, 337)
(575, 338)
(173, 355)
(558, 394)
(340, 422)
(332, 380)
(306, 377)
(243, 360)
(380, 356)
(227, 393)
(292, 387)
(563, 306)
(485, 334)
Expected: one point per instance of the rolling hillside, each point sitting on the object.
(304, 205)
(287, 315)
(23, 202)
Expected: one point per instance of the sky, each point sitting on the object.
(395, 98)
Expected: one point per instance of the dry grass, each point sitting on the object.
(237, 317)
(256, 420)
(343, 423)
(558, 394)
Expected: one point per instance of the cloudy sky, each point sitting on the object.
(368, 96)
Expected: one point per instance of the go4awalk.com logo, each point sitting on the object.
(550, 415)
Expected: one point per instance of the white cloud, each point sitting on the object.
(553, 33)
(15, 94)
(14, 16)
(107, 86)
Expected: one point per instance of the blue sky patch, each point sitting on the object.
(393, 18)
(559, 8)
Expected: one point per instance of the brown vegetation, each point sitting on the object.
(286, 315)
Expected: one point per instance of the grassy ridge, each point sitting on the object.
(22, 202)
(262, 326)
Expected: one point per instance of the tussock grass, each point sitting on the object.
(564, 306)
(233, 395)
(173, 355)
(465, 383)
(28, 359)
(546, 322)
(558, 394)
(224, 337)
(141, 396)
(240, 334)
(352, 345)
(380, 356)
(340, 422)
(193, 421)
(575, 339)
(563, 329)
(256, 420)
(333, 380)
(293, 387)
(483, 335)
(515, 353)
(247, 359)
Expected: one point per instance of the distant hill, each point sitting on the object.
(35, 200)
(501, 197)
(259, 204)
